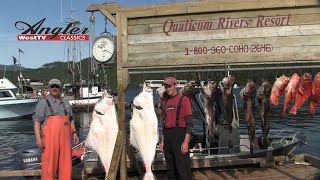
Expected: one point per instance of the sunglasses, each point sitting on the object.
(55, 86)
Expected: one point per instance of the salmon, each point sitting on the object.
(248, 94)
(315, 93)
(208, 90)
(144, 128)
(278, 89)
(303, 93)
(264, 105)
(290, 92)
(227, 99)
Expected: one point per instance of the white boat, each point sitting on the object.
(11, 107)
(87, 97)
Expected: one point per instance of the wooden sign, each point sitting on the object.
(215, 38)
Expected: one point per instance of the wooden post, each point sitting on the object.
(133, 159)
(112, 174)
(122, 84)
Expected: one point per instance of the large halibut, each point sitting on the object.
(104, 129)
(144, 128)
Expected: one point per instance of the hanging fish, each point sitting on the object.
(144, 128)
(315, 93)
(264, 105)
(104, 129)
(248, 94)
(303, 93)
(278, 89)
(227, 99)
(208, 90)
(188, 90)
(290, 92)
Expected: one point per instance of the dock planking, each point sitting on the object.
(283, 172)
(299, 167)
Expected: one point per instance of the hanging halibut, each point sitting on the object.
(104, 129)
(144, 128)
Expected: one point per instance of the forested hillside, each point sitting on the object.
(60, 70)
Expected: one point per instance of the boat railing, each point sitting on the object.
(208, 151)
(286, 134)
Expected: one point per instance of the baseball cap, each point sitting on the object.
(169, 81)
(54, 82)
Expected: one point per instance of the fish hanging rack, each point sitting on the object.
(223, 69)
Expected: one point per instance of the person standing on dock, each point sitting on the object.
(177, 128)
(53, 126)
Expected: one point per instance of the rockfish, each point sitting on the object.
(189, 90)
(264, 105)
(248, 94)
(290, 92)
(227, 99)
(278, 89)
(104, 129)
(144, 128)
(315, 93)
(208, 90)
(303, 93)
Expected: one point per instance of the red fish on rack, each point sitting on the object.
(315, 93)
(303, 93)
(290, 92)
(278, 89)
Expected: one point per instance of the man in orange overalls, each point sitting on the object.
(53, 126)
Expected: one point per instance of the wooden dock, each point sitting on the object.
(302, 166)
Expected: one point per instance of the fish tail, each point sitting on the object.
(148, 176)
(312, 107)
(284, 112)
(293, 110)
(274, 101)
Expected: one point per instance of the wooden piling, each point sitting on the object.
(116, 156)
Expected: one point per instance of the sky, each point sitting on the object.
(57, 13)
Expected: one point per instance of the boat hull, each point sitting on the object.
(17, 109)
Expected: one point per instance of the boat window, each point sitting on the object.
(5, 94)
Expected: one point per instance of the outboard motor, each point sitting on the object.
(31, 158)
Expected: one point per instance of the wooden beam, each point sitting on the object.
(76, 173)
(109, 16)
(111, 7)
(112, 174)
(201, 7)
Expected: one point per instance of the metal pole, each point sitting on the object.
(223, 69)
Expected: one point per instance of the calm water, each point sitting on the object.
(18, 135)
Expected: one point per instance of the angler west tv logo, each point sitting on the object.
(37, 32)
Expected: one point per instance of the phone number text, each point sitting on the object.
(233, 49)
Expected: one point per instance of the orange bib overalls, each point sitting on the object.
(57, 149)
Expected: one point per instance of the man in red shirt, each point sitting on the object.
(176, 132)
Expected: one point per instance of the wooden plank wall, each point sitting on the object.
(201, 39)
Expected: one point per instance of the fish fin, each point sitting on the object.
(284, 112)
(293, 110)
(274, 100)
(312, 106)
(300, 91)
